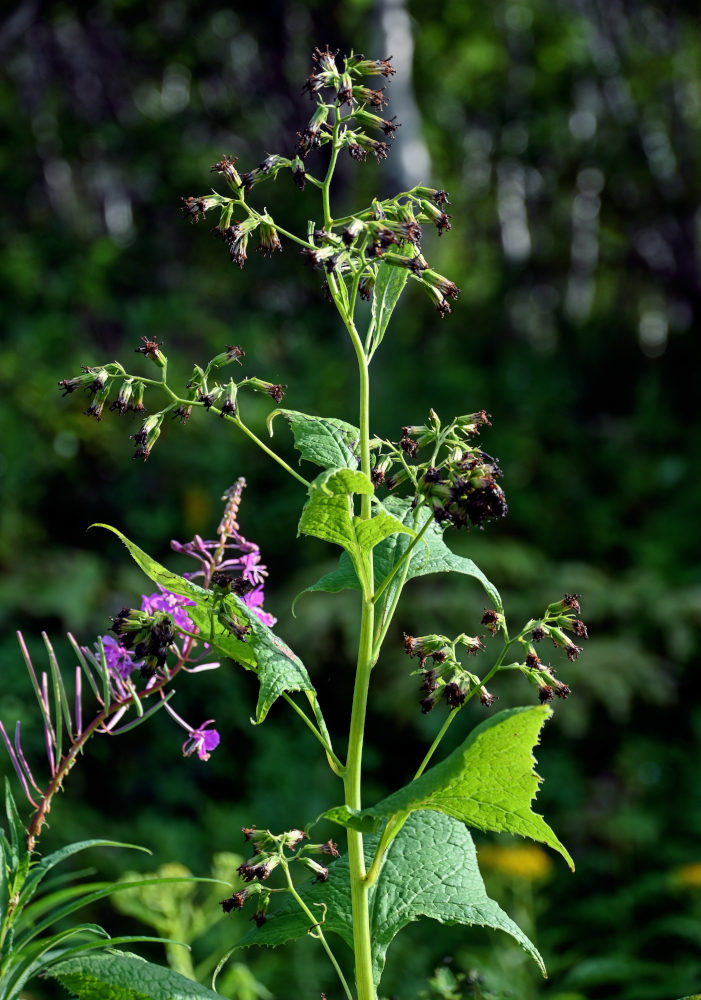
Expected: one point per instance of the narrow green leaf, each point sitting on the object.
(431, 555)
(430, 870)
(39, 870)
(329, 515)
(278, 668)
(488, 782)
(389, 285)
(123, 976)
(325, 441)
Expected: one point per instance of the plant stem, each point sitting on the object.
(268, 451)
(316, 931)
(334, 762)
(400, 562)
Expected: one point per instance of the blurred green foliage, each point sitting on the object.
(568, 137)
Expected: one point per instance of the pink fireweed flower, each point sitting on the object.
(230, 553)
(201, 740)
(173, 604)
(120, 661)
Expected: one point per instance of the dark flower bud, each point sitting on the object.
(344, 89)
(571, 601)
(121, 403)
(429, 682)
(310, 137)
(234, 902)
(454, 695)
(352, 231)
(424, 646)
(151, 349)
(367, 145)
(228, 408)
(226, 167)
(223, 581)
(427, 705)
(330, 847)
(439, 197)
(409, 446)
(249, 872)
(486, 698)
(69, 385)
(275, 392)
(193, 208)
(562, 690)
(545, 693)
(259, 917)
(208, 399)
(147, 435)
(182, 414)
(357, 152)
(370, 67)
(375, 98)
(579, 629)
(293, 838)
(493, 620)
(325, 59)
(97, 403)
(299, 175)
(368, 120)
(441, 284)
(532, 660)
(269, 239)
(538, 634)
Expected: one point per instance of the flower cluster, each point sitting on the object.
(236, 560)
(457, 481)
(269, 852)
(202, 390)
(446, 677)
(345, 116)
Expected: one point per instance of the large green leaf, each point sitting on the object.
(278, 668)
(122, 976)
(389, 285)
(326, 441)
(328, 514)
(431, 555)
(430, 870)
(488, 782)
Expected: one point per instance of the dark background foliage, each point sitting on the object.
(567, 134)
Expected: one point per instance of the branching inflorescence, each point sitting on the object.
(387, 504)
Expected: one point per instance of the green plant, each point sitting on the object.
(409, 855)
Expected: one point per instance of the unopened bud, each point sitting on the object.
(299, 175)
(494, 620)
(275, 392)
(151, 349)
(226, 167)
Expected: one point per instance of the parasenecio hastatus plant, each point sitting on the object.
(387, 504)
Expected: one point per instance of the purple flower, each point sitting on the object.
(120, 661)
(170, 603)
(201, 740)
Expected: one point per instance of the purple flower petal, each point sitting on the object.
(201, 740)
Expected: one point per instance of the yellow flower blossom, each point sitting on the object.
(525, 861)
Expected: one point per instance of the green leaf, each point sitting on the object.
(431, 555)
(326, 441)
(41, 868)
(122, 976)
(328, 514)
(488, 782)
(430, 870)
(278, 668)
(389, 285)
